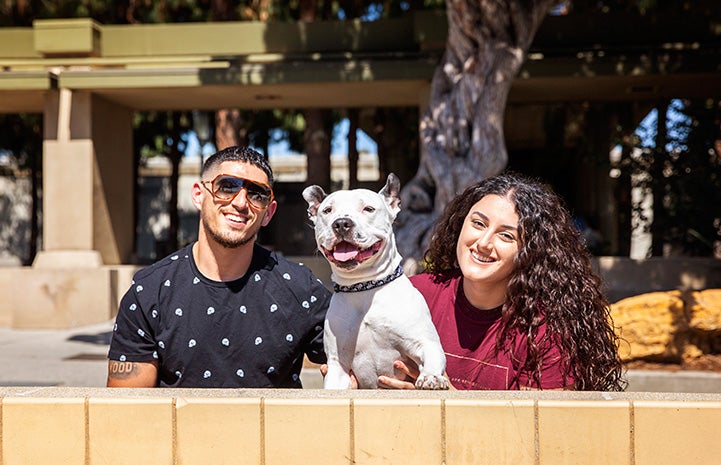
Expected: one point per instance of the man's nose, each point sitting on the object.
(241, 199)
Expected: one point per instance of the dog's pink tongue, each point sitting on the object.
(344, 252)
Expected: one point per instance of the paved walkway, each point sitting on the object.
(72, 357)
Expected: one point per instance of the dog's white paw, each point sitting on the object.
(432, 382)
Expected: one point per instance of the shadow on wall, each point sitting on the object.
(625, 277)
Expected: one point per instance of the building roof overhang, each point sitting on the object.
(330, 64)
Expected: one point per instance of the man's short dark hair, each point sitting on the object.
(237, 153)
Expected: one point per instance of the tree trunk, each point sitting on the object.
(316, 140)
(229, 129)
(229, 122)
(318, 129)
(35, 207)
(353, 148)
(397, 145)
(462, 129)
(175, 158)
(658, 182)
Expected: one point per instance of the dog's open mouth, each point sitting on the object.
(345, 253)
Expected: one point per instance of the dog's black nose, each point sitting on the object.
(342, 225)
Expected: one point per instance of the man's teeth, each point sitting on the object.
(235, 218)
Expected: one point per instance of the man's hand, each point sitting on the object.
(353, 380)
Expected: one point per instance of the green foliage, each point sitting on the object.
(645, 7)
(160, 133)
(23, 12)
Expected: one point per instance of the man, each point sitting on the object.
(222, 312)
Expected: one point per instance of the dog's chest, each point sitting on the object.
(368, 320)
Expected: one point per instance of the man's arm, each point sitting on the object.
(132, 374)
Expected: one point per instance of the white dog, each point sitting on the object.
(376, 316)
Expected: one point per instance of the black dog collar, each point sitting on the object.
(368, 285)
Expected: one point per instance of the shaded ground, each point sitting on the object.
(710, 362)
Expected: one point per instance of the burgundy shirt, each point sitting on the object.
(468, 336)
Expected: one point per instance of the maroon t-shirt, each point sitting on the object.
(468, 336)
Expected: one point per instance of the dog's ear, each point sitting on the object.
(314, 195)
(391, 192)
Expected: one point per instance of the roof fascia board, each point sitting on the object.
(252, 37)
(17, 42)
(250, 74)
(26, 80)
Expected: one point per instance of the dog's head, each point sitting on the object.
(354, 228)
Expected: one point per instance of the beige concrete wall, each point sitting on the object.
(123, 426)
(6, 290)
(62, 298)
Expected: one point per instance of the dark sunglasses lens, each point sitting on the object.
(227, 187)
(257, 194)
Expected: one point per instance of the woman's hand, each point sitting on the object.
(411, 372)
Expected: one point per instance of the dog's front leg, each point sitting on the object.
(336, 378)
(432, 368)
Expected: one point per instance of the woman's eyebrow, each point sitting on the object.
(485, 218)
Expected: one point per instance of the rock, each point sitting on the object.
(704, 310)
(651, 326)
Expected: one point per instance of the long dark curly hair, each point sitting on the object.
(553, 282)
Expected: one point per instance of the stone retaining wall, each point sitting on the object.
(217, 426)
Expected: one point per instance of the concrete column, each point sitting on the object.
(87, 216)
(88, 181)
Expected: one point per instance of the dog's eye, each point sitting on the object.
(369, 209)
(327, 210)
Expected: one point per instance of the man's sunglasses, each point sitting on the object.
(226, 187)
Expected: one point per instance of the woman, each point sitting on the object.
(513, 296)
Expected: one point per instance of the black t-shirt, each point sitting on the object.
(252, 332)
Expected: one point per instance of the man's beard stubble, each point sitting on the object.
(224, 241)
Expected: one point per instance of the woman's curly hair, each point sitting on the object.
(553, 282)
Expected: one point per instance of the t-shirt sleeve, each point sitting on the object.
(132, 334)
(319, 301)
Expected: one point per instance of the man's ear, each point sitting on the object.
(314, 195)
(196, 195)
(269, 212)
